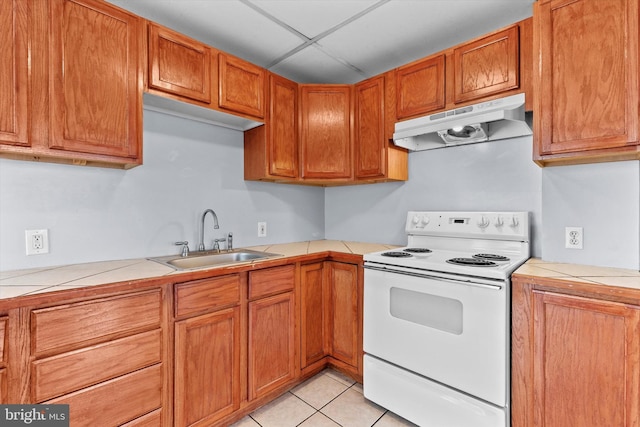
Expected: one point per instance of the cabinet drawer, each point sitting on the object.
(153, 419)
(207, 295)
(72, 371)
(271, 281)
(3, 341)
(66, 327)
(117, 401)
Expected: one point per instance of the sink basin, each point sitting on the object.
(209, 259)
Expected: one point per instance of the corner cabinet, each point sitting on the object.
(271, 151)
(586, 108)
(376, 157)
(325, 132)
(575, 355)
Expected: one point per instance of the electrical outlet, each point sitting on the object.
(573, 237)
(262, 229)
(37, 241)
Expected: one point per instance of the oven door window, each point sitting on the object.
(433, 311)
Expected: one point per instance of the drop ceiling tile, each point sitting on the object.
(311, 65)
(401, 31)
(228, 25)
(312, 17)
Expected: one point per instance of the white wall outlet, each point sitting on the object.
(37, 241)
(573, 237)
(262, 229)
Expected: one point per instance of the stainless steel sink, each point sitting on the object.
(209, 259)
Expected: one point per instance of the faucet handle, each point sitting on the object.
(229, 241)
(185, 247)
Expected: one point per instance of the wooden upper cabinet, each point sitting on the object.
(14, 73)
(487, 66)
(420, 87)
(376, 157)
(271, 151)
(241, 86)
(179, 65)
(96, 79)
(326, 131)
(586, 84)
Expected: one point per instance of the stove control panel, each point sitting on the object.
(485, 225)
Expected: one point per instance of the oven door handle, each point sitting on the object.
(428, 276)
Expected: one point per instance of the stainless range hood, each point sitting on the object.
(488, 121)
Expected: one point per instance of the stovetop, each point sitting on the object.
(481, 244)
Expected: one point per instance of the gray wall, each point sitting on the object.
(98, 214)
(495, 176)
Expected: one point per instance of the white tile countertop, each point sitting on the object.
(38, 280)
(589, 274)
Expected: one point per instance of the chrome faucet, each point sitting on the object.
(215, 225)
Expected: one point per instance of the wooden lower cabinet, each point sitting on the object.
(314, 293)
(207, 367)
(107, 365)
(576, 359)
(271, 343)
(331, 315)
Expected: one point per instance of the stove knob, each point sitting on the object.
(425, 220)
(499, 221)
(515, 221)
(483, 222)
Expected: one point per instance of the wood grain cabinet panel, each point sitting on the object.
(326, 142)
(270, 281)
(420, 87)
(345, 329)
(569, 352)
(376, 157)
(178, 64)
(206, 295)
(138, 393)
(314, 315)
(241, 86)
(487, 66)
(586, 83)
(4, 397)
(14, 73)
(152, 419)
(271, 150)
(56, 328)
(207, 367)
(272, 343)
(68, 372)
(96, 79)
(4, 339)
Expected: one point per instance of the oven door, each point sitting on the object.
(449, 329)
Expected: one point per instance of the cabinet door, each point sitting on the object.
(586, 84)
(313, 316)
(370, 144)
(207, 367)
(179, 65)
(14, 72)
(283, 127)
(345, 326)
(487, 66)
(271, 343)
(95, 78)
(241, 86)
(326, 131)
(420, 87)
(586, 362)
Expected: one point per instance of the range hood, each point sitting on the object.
(488, 121)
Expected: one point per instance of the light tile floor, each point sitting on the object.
(328, 399)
